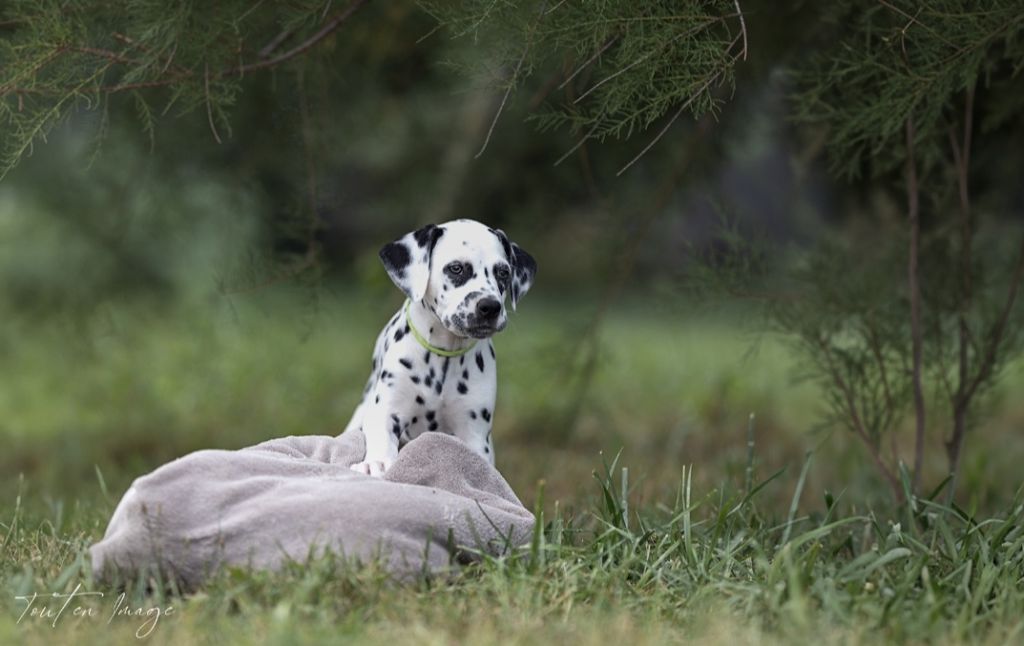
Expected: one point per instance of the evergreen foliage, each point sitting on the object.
(899, 89)
(57, 57)
(892, 60)
(626, 64)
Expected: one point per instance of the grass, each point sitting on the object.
(678, 547)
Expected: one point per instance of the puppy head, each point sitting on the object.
(462, 271)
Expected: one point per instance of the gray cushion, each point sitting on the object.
(296, 497)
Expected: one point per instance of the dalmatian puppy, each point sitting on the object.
(434, 363)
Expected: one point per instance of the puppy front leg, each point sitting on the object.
(381, 441)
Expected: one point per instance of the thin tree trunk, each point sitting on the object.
(961, 401)
(916, 334)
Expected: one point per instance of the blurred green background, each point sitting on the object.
(163, 292)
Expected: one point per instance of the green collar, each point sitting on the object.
(426, 344)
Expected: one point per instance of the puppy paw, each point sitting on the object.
(373, 468)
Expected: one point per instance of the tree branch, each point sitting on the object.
(743, 28)
(608, 43)
(329, 28)
(890, 403)
(961, 401)
(916, 335)
(693, 97)
(995, 337)
(858, 424)
(326, 30)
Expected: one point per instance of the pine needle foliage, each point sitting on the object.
(893, 60)
(919, 309)
(59, 56)
(608, 68)
(627, 64)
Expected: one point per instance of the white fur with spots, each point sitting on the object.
(456, 276)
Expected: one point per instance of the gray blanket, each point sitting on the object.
(293, 498)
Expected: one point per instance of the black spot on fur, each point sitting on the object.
(444, 367)
(462, 388)
(419, 400)
(472, 414)
(432, 427)
(437, 387)
(505, 244)
(491, 348)
(428, 236)
(460, 279)
(426, 357)
(428, 381)
(405, 362)
(414, 419)
(430, 415)
(465, 374)
(415, 379)
(480, 361)
(486, 414)
(524, 264)
(398, 335)
(396, 258)
(376, 400)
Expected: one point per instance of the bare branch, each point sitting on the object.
(579, 143)
(890, 403)
(857, 423)
(170, 57)
(743, 28)
(512, 81)
(504, 100)
(661, 133)
(608, 43)
(916, 334)
(209, 105)
(329, 28)
(643, 58)
(269, 48)
(995, 337)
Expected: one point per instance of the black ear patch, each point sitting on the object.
(524, 269)
(395, 256)
(505, 244)
(525, 265)
(407, 260)
(428, 236)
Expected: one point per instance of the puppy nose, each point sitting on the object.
(488, 308)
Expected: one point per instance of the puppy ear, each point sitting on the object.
(524, 267)
(407, 260)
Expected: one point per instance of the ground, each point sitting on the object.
(649, 536)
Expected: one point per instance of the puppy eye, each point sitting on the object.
(501, 273)
(454, 268)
